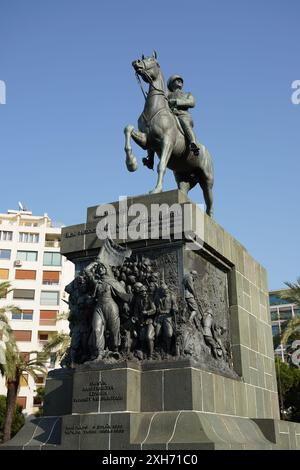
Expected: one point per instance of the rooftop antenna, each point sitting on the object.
(22, 207)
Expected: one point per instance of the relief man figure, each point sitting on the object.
(211, 334)
(167, 309)
(80, 305)
(144, 311)
(108, 293)
(190, 297)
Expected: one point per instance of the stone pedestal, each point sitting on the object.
(178, 403)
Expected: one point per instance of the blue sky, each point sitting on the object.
(71, 89)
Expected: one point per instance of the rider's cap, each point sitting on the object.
(172, 79)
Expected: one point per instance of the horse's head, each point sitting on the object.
(147, 67)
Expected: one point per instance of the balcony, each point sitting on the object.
(50, 283)
(52, 243)
(47, 322)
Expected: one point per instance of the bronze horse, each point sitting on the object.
(160, 132)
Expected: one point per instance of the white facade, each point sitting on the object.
(30, 259)
(282, 311)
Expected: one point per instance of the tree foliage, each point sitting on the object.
(13, 365)
(18, 417)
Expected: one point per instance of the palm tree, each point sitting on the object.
(293, 292)
(58, 344)
(12, 364)
(5, 288)
(293, 326)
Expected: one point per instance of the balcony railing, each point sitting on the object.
(49, 322)
(52, 243)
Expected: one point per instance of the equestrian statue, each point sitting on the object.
(166, 129)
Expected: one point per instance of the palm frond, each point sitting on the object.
(62, 316)
(59, 341)
(292, 293)
(10, 308)
(5, 287)
(292, 326)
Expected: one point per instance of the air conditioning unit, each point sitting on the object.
(18, 262)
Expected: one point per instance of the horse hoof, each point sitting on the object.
(155, 191)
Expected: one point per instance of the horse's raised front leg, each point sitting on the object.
(140, 138)
(162, 166)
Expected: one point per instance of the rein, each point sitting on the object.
(161, 92)
(141, 85)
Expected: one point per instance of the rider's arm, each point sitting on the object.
(185, 102)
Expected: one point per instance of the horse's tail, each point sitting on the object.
(131, 161)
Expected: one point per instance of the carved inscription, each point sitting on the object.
(96, 391)
(79, 429)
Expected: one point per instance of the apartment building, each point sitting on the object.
(30, 259)
(281, 310)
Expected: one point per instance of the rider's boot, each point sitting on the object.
(190, 135)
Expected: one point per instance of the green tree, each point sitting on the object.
(290, 329)
(18, 418)
(285, 382)
(13, 365)
(5, 288)
(39, 399)
(288, 381)
(288, 376)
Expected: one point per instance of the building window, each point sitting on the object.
(27, 314)
(40, 380)
(4, 274)
(27, 255)
(275, 329)
(22, 401)
(5, 254)
(285, 313)
(274, 315)
(25, 274)
(276, 300)
(51, 277)
(25, 294)
(52, 259)
(26, 237)
(49, 298)
(25, 356)
(5, 236)
(16, 316)
(43, 337)
(24, 315)
(48, 317)
(22, 335)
